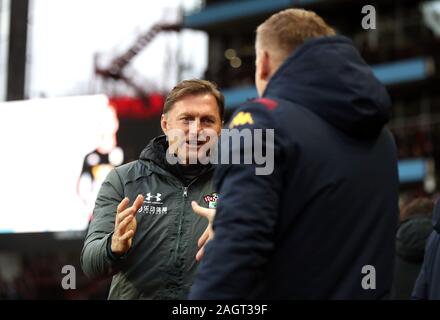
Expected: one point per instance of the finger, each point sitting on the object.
(138, 203)
(127, 236)
(200, 253)
(131, 210)
(121, 216)
(203, 238)
(124, 223)
(204, 212)
(123, 205)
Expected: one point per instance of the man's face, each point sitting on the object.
(194, 119)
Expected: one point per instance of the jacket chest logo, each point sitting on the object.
(157, 197)
(153, 205)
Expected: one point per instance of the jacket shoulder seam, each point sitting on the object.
(120, 182)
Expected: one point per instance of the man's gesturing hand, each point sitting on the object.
(125, 225)
(209, 233)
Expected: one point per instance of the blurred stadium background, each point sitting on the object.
(64, 64)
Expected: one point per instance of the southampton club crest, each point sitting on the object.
(211, 200)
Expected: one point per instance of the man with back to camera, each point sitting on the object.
(143, 230)
(322, 224)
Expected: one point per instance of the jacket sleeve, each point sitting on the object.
(95, 258)
(420, 291)
(244, 226)
(421, 287)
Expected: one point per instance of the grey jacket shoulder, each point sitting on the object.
(94, 259)
(132, 171)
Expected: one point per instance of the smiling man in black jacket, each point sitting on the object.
(143, 230)
(322, 224)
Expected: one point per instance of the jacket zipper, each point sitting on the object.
(185, 196)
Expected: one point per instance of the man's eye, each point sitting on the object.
(208, 121)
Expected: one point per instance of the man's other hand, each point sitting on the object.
(125, 225)
(209, 233)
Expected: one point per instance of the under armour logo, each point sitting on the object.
(157, 196)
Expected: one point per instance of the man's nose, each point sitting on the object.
(194, 129)
(196, 126)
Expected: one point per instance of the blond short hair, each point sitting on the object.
(286, 30)
(194, 87)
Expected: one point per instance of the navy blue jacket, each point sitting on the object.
(330, 207)
(428, 283)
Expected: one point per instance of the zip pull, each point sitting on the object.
(185, 192)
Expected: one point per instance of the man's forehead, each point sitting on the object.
(195, 111)
(200, 107)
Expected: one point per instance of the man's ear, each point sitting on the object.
(164, 123)
(265, 67)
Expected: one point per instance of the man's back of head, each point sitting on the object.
(289, 28)
(280, 35)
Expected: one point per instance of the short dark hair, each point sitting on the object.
(194, 87)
